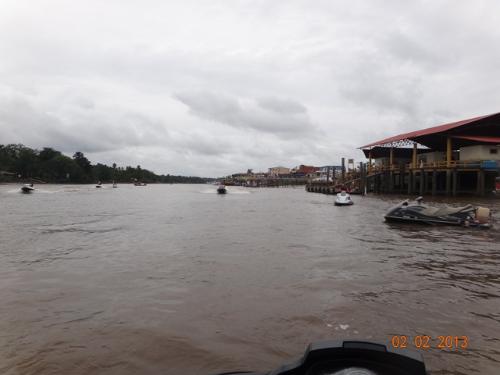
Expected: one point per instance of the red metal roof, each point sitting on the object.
(479, 138)
(307, 169)
(427, 131)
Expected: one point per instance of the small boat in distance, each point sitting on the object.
(99, 184)
(343, 199)
(27, 188)
(221, 189)
(417, 212)
(138, 183)
(115, 185)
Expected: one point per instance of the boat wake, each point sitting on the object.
(229, 191)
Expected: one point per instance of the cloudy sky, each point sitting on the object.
(215, 87)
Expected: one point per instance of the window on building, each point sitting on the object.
(493, 150)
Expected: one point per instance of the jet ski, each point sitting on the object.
(221, 189)
(27, 188)
(343, 199)
(351, 358)
(418, 212)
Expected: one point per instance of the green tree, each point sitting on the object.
(48, 153)
(52, 166)
(62, 166)
(83, 162)
(102, 172)
(26, 163)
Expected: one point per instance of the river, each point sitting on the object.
(175, 279)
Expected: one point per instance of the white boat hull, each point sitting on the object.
(343, 199)
(343, 203)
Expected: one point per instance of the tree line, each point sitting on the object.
(18, 162)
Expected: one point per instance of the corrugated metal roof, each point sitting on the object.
(427, 131)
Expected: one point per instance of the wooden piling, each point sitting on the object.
(434, 182)
(454, 185)
(414, 182)
(448, 182)
(362, 178)
(480, 182)
(422, 182)
(343, 170)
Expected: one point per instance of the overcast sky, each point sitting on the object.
(215, 87)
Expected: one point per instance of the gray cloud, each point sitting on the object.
(214, 88)
(77, 127)
(283, 118)
(282, 106)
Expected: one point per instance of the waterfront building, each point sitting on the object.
(305, 171)
(458, 157)
(278, 171)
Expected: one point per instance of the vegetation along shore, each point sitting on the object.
(21, 163)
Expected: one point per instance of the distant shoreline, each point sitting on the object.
(103, 183)
(21, 164)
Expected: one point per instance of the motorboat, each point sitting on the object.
(99, 185)
(418, 212)
(343, 199)
(140, 184)
(27, 188)
(115, 185)
(351, 357)
(221, 189)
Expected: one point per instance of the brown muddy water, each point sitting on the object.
(174, 279)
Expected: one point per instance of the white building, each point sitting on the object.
(278, 171)
(480, 152)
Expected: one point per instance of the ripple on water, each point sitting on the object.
(170, 280)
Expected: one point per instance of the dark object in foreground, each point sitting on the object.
(221, 189)
(351, 357)
(417, 212)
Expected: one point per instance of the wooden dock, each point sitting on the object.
(438, 178)
(446, 178)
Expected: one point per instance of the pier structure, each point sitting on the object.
(462, 157)
(265, 181)
(275, 177)
(272, 182)
(352, 179)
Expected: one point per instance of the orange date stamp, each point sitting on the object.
(424, 342)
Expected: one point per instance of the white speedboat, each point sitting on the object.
(221, 189)
(27, 188)
(343, 199)
(99, 185)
